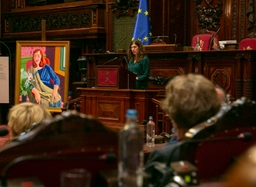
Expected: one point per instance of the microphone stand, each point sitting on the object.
(109, 61)
(119, 43)
(128, 75)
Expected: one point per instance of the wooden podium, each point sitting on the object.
(115, 76)
(110, 105)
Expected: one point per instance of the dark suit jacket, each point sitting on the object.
(161, 158)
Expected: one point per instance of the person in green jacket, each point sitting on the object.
(139, 64)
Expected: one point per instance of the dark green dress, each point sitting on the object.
(142, 70)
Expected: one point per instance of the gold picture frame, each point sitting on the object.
(54, 75)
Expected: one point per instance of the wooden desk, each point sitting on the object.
(233, 70)
(110, 105)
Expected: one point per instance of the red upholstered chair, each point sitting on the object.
(247, 44)
(205, 41)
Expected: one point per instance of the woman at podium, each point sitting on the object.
(139, 64)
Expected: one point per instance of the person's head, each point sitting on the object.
(222, 95)
(22, 116)
(190, 99)
(136, 50)
(38, 58)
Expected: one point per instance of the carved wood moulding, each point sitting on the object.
(209, 13)
(234, 17)
(66, 20)
(250, 14)
(221, 78)
(125, 7)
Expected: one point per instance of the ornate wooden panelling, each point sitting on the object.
(231, 70)
(54, 21)
(125, 7)
(170, 19)
(82, 20)
(234, 20)
(111, 104)
(243, 19)
(209, 13)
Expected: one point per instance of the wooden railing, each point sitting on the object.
(162, 121)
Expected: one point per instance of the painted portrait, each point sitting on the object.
(42, 73)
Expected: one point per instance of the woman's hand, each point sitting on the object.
(55, 93)
(36, 95)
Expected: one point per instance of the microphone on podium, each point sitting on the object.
(216, 33)
(110, 61)
(213, 36)
(112, 52)
(119, 43)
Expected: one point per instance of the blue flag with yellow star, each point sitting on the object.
(142, 29)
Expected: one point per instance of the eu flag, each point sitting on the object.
(142, 29)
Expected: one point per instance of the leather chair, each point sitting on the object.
(214, 145)
(46, 170)
(71, 140)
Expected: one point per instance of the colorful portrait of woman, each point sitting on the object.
(45, 82)
(42, 76)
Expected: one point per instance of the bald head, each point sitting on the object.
(221, 94)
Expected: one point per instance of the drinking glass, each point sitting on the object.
(75, 178)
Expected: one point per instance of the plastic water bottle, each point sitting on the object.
(130, 161)
(151, 129)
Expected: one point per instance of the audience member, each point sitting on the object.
(190, 99)
(224, 98)
(22, 116)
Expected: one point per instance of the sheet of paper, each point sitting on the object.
(4, 79)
